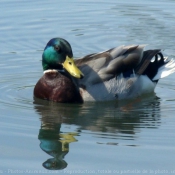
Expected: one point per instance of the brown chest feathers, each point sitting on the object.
(57, 87)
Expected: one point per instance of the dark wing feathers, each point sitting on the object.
(105, 65)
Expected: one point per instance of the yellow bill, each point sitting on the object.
(70, 66)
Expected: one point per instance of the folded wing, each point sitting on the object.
(103, 66)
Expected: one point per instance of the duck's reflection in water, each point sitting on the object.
(54, 143)
(121, 120)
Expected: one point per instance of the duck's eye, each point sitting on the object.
(57, 48)
(70, 63)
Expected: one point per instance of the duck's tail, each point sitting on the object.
(155, 65)
(165, 70)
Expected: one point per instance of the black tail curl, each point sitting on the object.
(148, 67)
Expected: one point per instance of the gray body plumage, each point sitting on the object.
(104, 80)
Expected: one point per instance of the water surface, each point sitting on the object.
(135, 136)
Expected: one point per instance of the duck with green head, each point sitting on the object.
(117, 73)
(59, 69)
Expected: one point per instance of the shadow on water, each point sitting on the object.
(119, 120)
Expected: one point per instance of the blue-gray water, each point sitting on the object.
(136, 136)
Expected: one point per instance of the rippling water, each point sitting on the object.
(136, 136)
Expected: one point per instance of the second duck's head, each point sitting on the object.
(58, 55)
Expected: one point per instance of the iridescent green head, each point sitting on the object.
(55, 53)
(58, 55)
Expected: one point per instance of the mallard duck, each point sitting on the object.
(117, 73)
